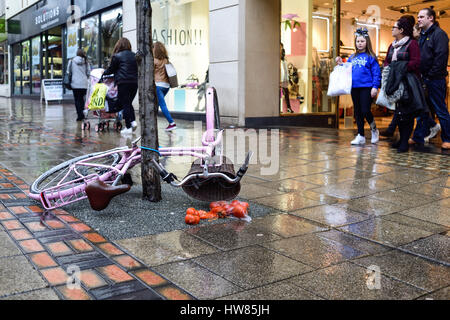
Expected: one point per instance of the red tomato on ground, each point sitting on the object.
(190, 219)
(239, 211)
(191, 211)
(215, 204)
(203, 214)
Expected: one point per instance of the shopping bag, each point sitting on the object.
(98, 96)
(340, 80)
(172, 74)
(383, 101)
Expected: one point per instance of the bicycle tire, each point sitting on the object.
(36, 187)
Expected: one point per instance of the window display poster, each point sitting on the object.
(183, 27)
(72, 41)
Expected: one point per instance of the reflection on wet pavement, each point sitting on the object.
(332, 210)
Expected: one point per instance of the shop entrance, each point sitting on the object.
(378, 18)
(52, 54)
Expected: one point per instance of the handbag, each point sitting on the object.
(67, 81)
(172, 74)
(340, 80)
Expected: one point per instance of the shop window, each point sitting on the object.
(53, 60)
(306, 57)
(26, 68)
(36, 64)
(183, 27)
(89, 39)
(17, 67)
(4, 63)
(111, 31)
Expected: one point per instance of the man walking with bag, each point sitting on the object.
(434, 52)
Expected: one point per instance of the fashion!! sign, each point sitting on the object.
(179, 37)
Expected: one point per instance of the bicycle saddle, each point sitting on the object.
(100, 193)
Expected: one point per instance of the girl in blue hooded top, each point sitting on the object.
(366, 79)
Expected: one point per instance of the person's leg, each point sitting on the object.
(286, 97)
(124, 97)
(132, 91)
(357, 99)
(437, 90)
(389, 132)
(161, 93)
(405, 126)
(78, 95)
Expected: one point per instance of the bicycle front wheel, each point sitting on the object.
(63, 173)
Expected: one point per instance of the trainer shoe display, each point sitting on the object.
(375, 136)
(171, 127)
(433, 132)
(359, 140)
(126, 131)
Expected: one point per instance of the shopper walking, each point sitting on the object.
(406, 49)
(124, 67)
(366, 79)
(161, 58)
(433, 67)
(79, 67)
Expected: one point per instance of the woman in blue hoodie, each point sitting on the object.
(366, 79)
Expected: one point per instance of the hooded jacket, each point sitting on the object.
(80, 73)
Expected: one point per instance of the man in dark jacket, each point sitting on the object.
(433, 66)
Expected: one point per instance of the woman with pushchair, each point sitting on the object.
(124, 67)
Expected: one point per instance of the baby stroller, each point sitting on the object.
(111, 112)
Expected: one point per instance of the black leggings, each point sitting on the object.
(78, 95)
(362, 102)
(126, 94)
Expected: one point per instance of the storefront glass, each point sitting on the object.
(36, 64)
(307, 40)
(183, 28)
(89, 39)
(4, 63)
(17, 67)
(26, 66)
(111, 31)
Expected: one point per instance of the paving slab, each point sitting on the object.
(252, 266)
(7, 246)
(40, 294)
(410, 269)
(331, 216)
(435, 247)
(348, 281)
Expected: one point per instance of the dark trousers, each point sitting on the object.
(126, 94)
(286, 97)
(362, 102)
(405, 127)
(78, 95)
(437, 91)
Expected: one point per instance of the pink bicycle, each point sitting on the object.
(101, 176)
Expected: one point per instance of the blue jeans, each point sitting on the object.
(161, 93)
(437, 90)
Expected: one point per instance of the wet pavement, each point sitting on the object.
(324, 214)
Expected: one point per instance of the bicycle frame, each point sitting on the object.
(63, 194)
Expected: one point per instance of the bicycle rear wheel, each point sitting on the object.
(57, 175)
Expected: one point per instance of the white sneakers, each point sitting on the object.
(359, 140)
(375, 136)
(433, 132)
(362, 140)
(126, 131)
(133, 125)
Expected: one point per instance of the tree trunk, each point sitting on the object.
(151, 184)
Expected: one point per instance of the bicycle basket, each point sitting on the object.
(212, 189)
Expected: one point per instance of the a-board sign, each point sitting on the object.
(52, 89)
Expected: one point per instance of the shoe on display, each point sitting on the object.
(386, 133)
(433, 132)
(375, 136)
(171, 127)
(359, 140)
(126, 131)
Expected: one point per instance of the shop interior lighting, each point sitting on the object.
(328, 33)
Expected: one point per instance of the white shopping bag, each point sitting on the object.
(340, 80)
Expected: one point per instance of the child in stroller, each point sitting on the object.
(112, 110)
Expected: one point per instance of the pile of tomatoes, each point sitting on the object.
(219, 210)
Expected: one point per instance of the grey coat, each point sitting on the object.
(80, 73)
